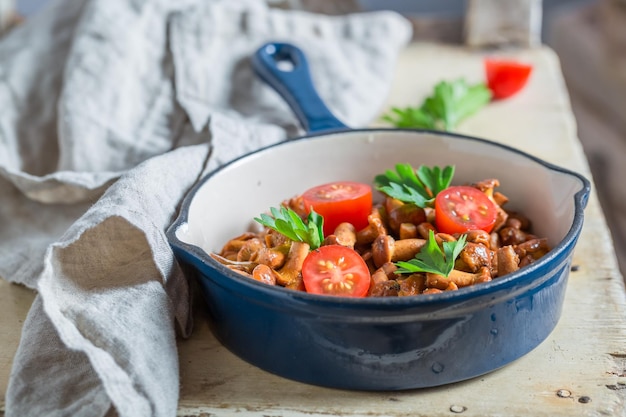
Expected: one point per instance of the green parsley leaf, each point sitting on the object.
(450, 103)
(418, 187)
(409, 117)
(288, 222)
(432, 259)
(435, 178)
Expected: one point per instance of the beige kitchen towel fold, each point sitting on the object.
(111, 111)
(110, 297)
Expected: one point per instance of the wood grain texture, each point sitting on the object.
(503, 23)
(15, 301)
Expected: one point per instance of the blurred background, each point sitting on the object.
(589, 37)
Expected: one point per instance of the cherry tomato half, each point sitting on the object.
(339, 202)
(506, 77)
(335, 270)
(462, 208)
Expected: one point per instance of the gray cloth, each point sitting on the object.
(111, 111)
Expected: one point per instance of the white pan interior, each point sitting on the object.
(228, 201)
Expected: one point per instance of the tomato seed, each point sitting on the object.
(328, 265)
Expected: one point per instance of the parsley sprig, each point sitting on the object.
(432, 259)
(419, 187)
(450, 103)
(290, 224)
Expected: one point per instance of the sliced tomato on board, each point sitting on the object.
(506, 77)
(459, 209)
(335, 270)
(341, 201)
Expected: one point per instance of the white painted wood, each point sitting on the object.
(583, 360)
(503, 23)
(7, 14)
(331, 7)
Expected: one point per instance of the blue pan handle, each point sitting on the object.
(295, 85)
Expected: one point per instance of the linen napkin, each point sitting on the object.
(111, 111)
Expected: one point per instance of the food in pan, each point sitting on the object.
(423, 236)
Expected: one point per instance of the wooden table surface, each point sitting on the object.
(580, 370)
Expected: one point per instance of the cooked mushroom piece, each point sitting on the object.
(231, 249)
(424, 229)
(272, 257)
(413, 284)
(385, 272)
(408, 231)
(274, 239)
(345, 235)
(292, 269)
(387, 249)
(507, 260)
(536, 247)
(405, 213)
(375, 228)
(264, 274)
(384, 289)
(250, 249)
(390, 204)
(459, 278)
(474, 256)
(510, 235)
(297, 205)
(479, 236)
